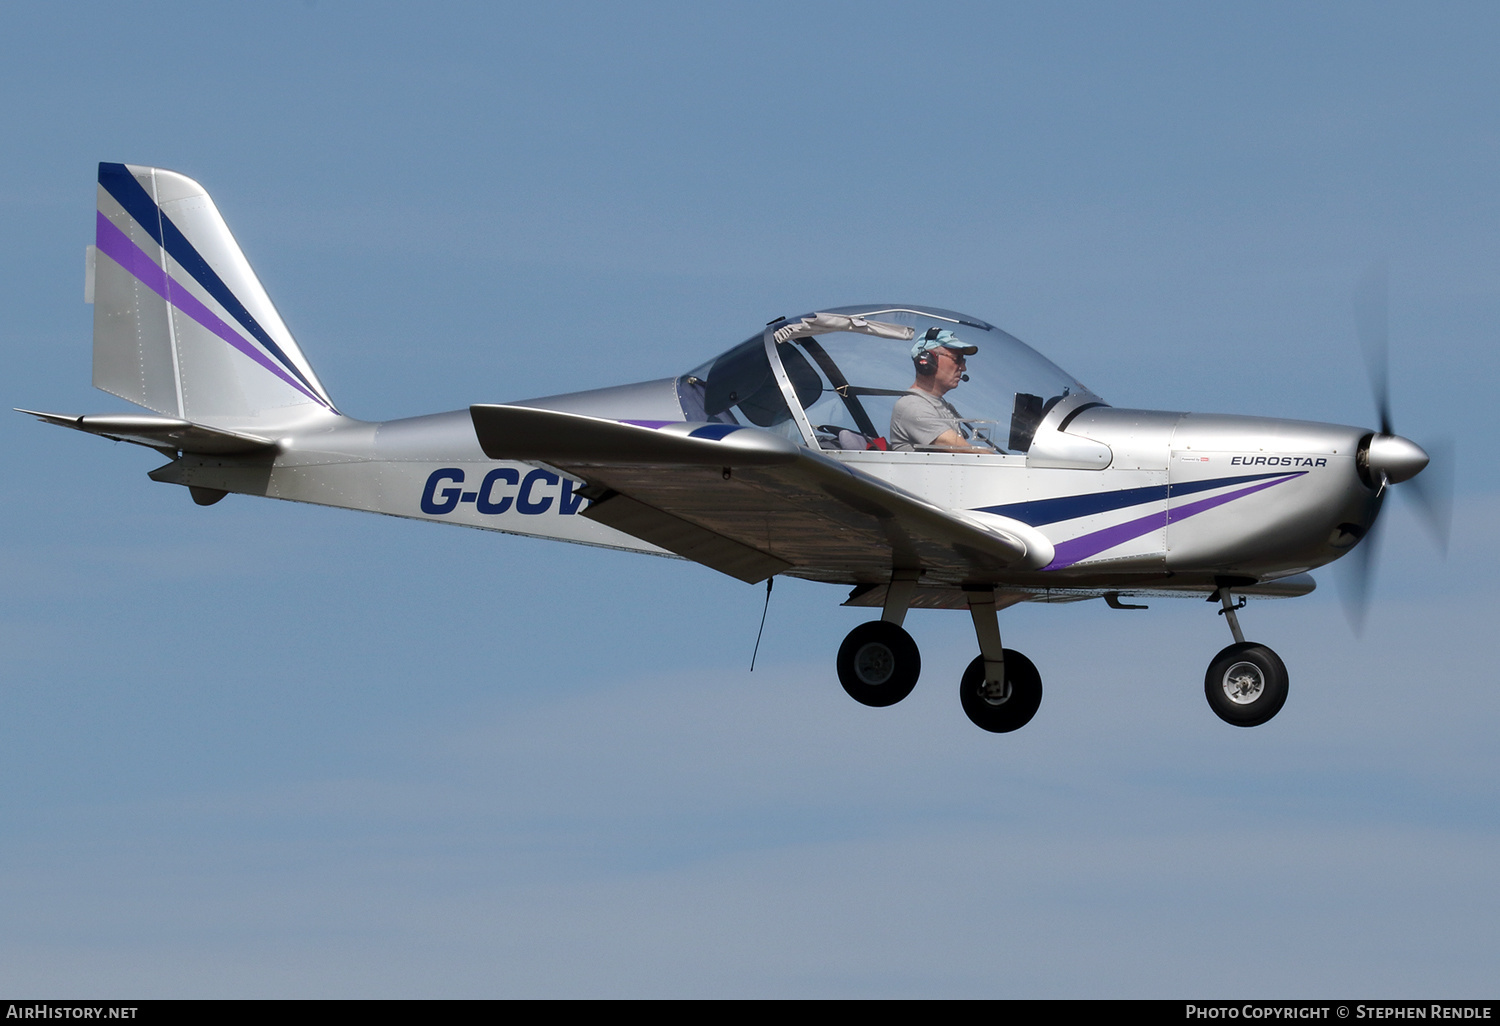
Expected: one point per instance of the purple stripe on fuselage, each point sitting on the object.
(117, 246)
(1193, 508)
(1075, 550)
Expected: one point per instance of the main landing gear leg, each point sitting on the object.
(879, 662)
(1246, 684)
(1001, 689)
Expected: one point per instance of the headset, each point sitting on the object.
(927, 361)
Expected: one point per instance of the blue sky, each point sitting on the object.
(262, 749)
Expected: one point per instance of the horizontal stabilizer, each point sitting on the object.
(160, 432)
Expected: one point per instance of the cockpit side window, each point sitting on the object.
(692, 394)
(840, 386)
(742, 380)
(805, 380)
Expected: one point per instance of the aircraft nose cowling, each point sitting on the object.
(1393, 457)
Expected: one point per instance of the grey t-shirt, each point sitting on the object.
(919, 417)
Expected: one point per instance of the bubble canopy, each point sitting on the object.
(831, 380)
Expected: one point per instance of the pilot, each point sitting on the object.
(922, 418)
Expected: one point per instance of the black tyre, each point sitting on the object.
(1011, 710)
(879, 663)
(1246, 684)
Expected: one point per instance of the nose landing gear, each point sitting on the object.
(1246, 684)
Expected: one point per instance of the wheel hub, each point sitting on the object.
(995, 692)
(1243, 683)
(874, 663)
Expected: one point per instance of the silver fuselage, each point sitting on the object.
(1184, 498)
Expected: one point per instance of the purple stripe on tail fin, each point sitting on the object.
(117, 246)
(130, 194)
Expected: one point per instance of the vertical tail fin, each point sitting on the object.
(182, 326)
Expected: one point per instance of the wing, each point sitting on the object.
(751, 503)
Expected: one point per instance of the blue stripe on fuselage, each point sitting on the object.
(1070, 507)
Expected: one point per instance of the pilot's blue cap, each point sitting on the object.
(941, 340)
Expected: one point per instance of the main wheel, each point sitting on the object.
(879, 663)
(1246, 684)
(1008, 708)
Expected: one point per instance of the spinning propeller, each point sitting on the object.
(1386, 458)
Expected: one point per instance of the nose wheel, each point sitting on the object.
(1246, 684)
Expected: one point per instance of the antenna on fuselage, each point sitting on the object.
(763, 612)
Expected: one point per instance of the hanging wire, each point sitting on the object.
(762, 630)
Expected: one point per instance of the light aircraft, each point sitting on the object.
(773, 457)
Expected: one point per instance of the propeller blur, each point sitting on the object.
(1387, 457)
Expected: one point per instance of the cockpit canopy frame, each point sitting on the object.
(830, 379)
